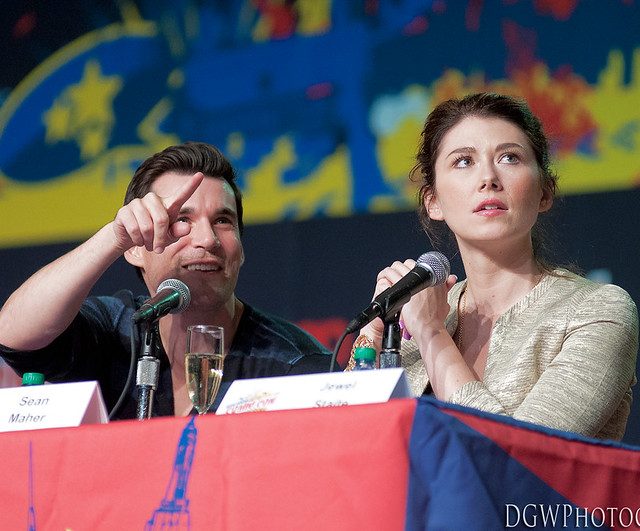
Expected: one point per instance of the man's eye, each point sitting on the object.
(183, 219)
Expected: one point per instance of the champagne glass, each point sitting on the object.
(203, 364)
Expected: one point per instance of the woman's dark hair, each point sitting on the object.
(483, 105)
(187, 159)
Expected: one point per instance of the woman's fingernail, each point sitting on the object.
(405, 334)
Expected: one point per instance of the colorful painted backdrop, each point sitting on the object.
(318, 103)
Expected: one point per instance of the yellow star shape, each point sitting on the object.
(84, 112)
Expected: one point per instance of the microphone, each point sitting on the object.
(431, 269)
(172, 296)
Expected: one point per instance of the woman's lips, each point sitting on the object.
(490, 207)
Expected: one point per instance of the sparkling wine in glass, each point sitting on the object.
(203, 364)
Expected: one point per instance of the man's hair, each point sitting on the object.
(187, 159)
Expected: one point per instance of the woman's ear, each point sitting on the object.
(432, 205)
(546, 201)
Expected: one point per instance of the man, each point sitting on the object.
(182, 219)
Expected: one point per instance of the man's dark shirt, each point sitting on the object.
(97, 346)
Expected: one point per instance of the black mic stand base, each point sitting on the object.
(148, 372)
(147, 381)
(390, 360)
(390, 357)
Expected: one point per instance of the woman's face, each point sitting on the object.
(487, 184)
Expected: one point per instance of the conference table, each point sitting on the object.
(403, 464)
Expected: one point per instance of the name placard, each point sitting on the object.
(51, 406)
(314, 390)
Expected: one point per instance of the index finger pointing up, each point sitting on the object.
(174, 202)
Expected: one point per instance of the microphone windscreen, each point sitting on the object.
(181, 288)
(438, 264)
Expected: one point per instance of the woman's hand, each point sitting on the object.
(385, 279)
(419, 302)
(427, 309)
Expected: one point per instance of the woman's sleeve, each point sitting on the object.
(589, 380)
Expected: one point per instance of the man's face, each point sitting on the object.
(208, 259)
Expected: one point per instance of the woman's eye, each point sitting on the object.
(510, 158)
(462, 162)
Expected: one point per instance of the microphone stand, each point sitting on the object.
(391, 340)
(148, 371)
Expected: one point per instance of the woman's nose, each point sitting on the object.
(490, 179)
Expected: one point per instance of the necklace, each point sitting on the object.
(463, 309)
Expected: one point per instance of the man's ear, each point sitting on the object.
(433, 207)
(134, 256)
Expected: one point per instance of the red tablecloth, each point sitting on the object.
(333, 468)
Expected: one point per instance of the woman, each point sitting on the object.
(517, 337)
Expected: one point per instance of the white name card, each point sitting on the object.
(51, 406)
(314, 390)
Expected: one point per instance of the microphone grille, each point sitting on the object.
(181, 288)
(438, 264)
